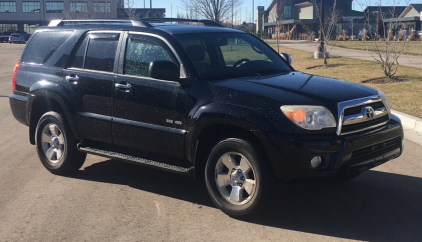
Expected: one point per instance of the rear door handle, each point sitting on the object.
(123, 86)
(74, 78)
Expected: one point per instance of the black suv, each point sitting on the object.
(203, 101)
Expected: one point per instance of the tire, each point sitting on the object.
(56, 145)
(239, 194)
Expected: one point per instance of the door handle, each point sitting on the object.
(123, 86)
(72, 78)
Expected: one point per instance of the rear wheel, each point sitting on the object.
(237, 179)
(56, 145)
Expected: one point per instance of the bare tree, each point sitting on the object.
(388, 43)
(279, 16)
(130, 11)
(216, 10)
(327, 23)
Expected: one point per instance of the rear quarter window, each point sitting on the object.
(43, 45)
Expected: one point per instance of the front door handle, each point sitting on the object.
(123, 86)
(72, 78)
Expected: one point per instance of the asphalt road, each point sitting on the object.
(108, 200)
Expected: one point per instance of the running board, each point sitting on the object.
(138, 160)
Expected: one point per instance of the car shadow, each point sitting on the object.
(376, 206)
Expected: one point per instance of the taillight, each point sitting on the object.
(14, 75)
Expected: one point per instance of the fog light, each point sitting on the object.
(316, 161)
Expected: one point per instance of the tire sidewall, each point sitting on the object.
(45, 120)
(242, 147)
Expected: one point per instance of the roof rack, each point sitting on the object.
(135, 22)
(206, 22)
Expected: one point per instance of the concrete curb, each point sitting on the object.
(412, 126)
(408, 121)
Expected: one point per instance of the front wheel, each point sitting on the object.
(237, 178)
(56, 146)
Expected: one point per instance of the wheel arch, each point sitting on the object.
(38, 106)
(212, 127)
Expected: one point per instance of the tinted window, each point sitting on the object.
(101, 53)
(140, 53)
(78, 60)
(43, 45)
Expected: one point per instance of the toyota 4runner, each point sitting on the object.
(203, 101)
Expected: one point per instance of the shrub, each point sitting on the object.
(344, 35)
(390, 35)
(401, 36)
(412, 35)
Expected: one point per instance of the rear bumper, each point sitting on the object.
(18, 107)
(341, 156)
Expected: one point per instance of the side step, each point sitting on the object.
(138, 160)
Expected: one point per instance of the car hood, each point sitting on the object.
(297, 88)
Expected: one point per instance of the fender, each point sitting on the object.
(47, 89)
(41, 88)
(239, 116)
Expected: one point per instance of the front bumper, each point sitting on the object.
(341, 155)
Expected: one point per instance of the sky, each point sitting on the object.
(246, 9)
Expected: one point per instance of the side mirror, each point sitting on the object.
(287, 57)
(164, 70)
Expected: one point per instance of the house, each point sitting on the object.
(303, 17)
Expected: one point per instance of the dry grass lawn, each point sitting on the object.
(405, 97)
(412, 48)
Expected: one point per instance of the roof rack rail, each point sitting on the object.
(135, 22)
(206, 22)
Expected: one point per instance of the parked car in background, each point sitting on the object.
(27, 36)
(16, 38)
(5, 37)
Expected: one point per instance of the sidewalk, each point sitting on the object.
(404, 60)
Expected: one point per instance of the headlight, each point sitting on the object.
(309, 117)
(384, 100)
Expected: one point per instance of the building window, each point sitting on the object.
(102, 7)
(8, 28)
(78, 7)
(7, 7)
(30, 7)
(30, 29)
(55, 7)
(287, 12)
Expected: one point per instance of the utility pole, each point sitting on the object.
(232, 15)
(171, 7)
(150, 8)
(253, 4)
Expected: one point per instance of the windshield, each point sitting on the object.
(15, 35)
(230, 55)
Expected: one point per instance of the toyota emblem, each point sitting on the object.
(369, 112)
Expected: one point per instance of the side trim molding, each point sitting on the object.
(149, 126)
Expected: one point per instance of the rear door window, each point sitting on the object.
(43, 45)
(101, 52)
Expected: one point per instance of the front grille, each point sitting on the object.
(374, 151)
(351, 128)
(358, 109)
